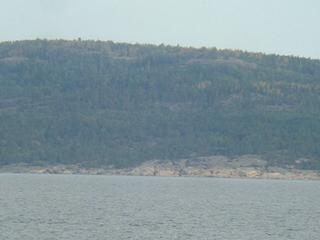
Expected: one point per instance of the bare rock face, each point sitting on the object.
(147, 169)
(212, 162)
(225, 162)
(247, 166)
(158, 168)
(248, 161)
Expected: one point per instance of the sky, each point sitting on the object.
(288, 27)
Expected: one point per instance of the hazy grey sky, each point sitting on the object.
(272, 26)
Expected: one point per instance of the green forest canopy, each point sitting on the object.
(104, 103)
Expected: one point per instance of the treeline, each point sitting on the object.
(104, 103)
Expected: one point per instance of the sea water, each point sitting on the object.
(80, 207)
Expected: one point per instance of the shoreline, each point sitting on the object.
(162, 170)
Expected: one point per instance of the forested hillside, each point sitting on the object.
(104, 103)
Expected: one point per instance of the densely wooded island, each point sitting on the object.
(92, 104)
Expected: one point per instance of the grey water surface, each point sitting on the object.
(102, 207)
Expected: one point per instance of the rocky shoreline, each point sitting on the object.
(170, 169)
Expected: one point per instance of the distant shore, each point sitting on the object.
(169, 170)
